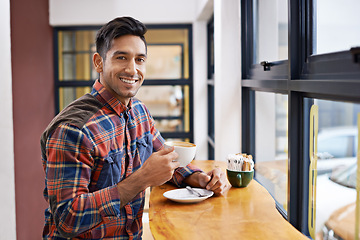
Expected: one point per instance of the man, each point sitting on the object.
(103, 150)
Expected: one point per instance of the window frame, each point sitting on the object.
(211, 89)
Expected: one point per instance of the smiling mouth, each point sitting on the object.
(129, 81)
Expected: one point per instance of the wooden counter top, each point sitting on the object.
(246, 213)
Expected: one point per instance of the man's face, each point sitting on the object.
(123, 71)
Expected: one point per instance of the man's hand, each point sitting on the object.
(215, 180)
(157, 169)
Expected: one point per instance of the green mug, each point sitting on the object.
(239, 179)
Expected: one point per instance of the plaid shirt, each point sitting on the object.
(87, 149)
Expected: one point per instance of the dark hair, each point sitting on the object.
(116, 28)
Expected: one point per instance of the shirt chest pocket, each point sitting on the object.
(111, 171)
(145, 147)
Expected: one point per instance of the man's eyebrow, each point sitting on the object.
(120, 53)
(126, 53)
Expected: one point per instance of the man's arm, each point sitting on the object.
(68, 174)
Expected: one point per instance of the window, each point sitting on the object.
(167, 90)
(313, 67)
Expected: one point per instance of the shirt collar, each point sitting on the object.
(107, 97)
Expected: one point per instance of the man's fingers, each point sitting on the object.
(167, 149)
(213, 184)
(215, 177)
(204, 180)
(171, 155)
(175, 164)
(168, 152)
(219, 187)
(217, 181)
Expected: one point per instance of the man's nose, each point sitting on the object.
(131, 67)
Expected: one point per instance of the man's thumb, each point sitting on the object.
(208, 176)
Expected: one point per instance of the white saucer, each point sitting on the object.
(183, 195)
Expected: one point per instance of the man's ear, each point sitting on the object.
(98, 62)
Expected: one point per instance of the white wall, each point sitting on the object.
(69, 12)
(200, 88)
(204, 12)
(227, 78)
(7, 202)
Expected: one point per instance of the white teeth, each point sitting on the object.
(127, 81)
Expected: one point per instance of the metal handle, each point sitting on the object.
(314, 124)
(355, 51)
(266, 65)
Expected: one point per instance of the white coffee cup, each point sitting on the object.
(185, 150)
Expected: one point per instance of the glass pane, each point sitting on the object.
(75, 55)
(168, 53)
(271, 30)
(164, 62)
(336, 169)
(66, 39)
(169, 106)
(271, 144)
(69, 94)
(78, 67)
(68, 67)
(337, 25)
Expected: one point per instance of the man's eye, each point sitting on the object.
(120, 57)
(141, 59)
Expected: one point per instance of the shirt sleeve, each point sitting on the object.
(68, 175)
(183, 172)
(180, 173)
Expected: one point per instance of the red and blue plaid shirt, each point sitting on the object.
(87, 149)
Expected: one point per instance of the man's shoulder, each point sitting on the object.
(76, 113)
(79, 111)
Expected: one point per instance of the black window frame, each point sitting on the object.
(210, 89)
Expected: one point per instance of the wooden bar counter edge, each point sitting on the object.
(242, 213)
